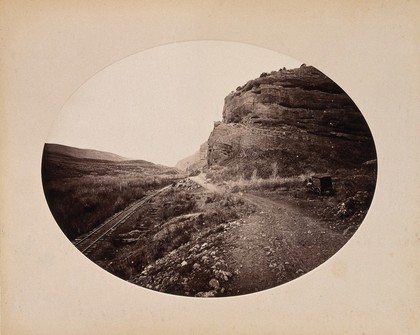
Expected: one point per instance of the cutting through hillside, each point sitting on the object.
(282, 182)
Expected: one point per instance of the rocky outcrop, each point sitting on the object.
(299, 119)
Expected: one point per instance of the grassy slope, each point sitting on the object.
(184, 218)
(82, 192)
(82, 153)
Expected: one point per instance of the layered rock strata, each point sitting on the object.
(298, 119)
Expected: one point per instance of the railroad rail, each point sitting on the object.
(86, 242)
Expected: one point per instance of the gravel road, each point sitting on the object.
(275, 244)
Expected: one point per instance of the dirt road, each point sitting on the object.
(202, 181)
(274, 245)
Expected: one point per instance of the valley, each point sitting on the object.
(239, 215)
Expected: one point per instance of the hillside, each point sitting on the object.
(286, 126)
(82, 192)
(60, 149)
(196, 161)
(247, 217)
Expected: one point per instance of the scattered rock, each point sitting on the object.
(223, 275)
(204, 245)
(208, 294)
(214, 283)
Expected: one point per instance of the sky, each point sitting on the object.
(159, 105)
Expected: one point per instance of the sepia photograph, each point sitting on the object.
(211, 167)
(283, 178)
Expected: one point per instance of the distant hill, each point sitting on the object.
(82, 153)
(60, 161)
(194, 162)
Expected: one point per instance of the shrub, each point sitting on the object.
(177, 203)
(256, 183)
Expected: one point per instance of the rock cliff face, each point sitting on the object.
(298, 119)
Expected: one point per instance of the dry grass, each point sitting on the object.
(271, 183)
(83, 193)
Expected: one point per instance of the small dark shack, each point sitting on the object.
(322, 184)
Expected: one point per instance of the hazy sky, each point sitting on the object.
(159, 105)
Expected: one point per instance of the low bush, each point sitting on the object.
(177, 203)
(271, 183)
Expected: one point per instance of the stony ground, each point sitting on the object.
(275, 245)
(268, 243)
(198, 240)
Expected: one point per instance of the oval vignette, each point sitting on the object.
(209, 169)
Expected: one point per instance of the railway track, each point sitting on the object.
(87, 242)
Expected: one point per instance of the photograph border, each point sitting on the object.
(370, 49)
